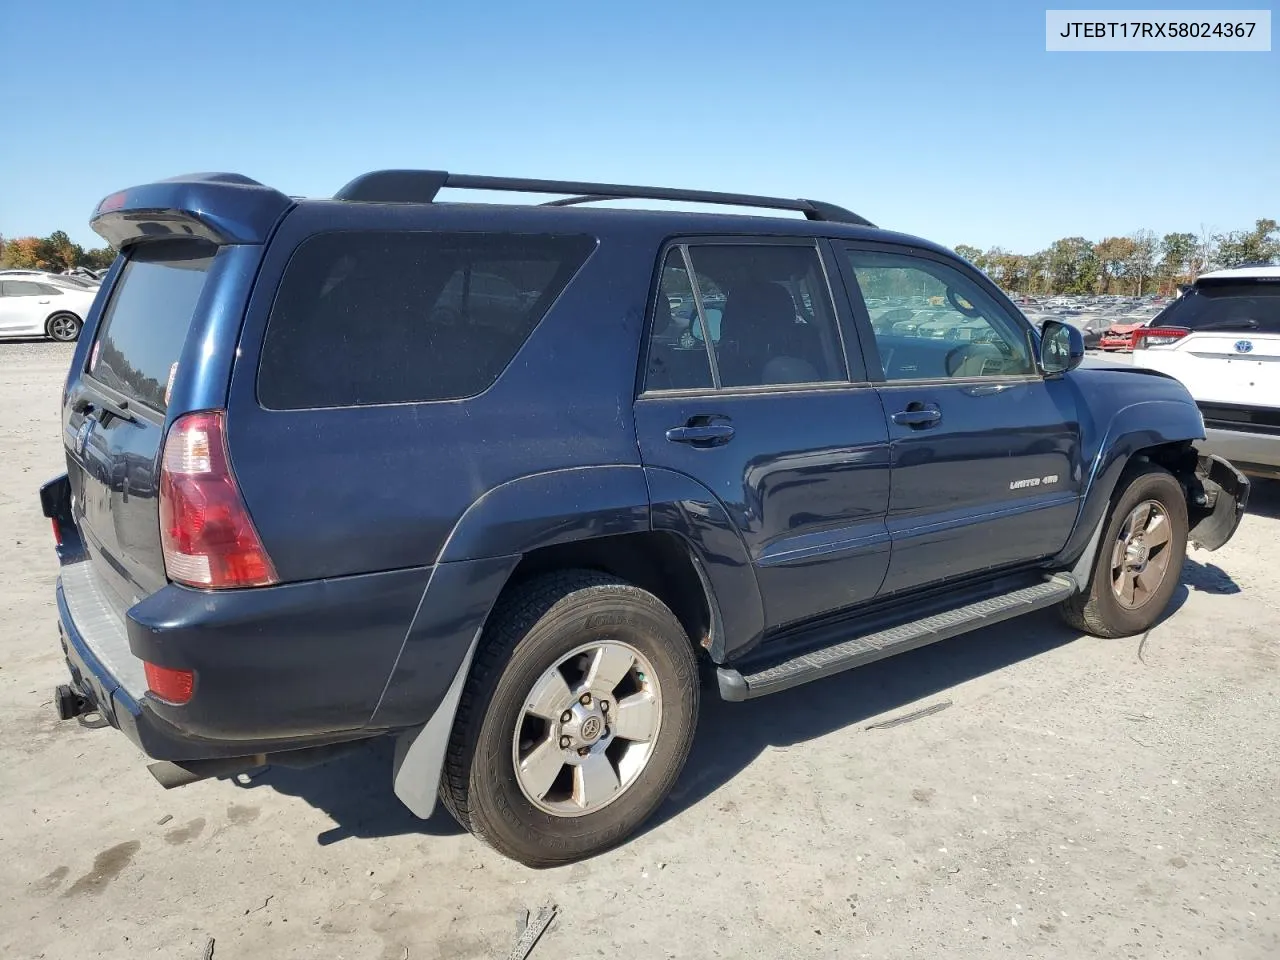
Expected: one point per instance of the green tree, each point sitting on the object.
(99, 258)
(59, 252)
(1141, 265)
(1073, 265)
(1177, 251)
(1259, 245)
(1113, 255)
(972, 254)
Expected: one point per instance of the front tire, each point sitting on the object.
(63, 327)
(576, 720)
(1139, 559)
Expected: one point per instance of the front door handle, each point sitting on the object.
(918, 415)
(702, 434)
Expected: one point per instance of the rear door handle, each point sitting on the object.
(702, 434)
(918, 415)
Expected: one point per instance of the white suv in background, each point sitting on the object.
(1222, 340)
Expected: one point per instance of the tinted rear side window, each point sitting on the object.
(146, 322)
(1230, 307)
(387, 317)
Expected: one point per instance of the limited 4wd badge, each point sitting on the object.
(1033, 482)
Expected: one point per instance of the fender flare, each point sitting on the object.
(476, 561)
(513, 518)
(1131, 429)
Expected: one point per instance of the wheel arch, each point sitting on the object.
(1164, 432)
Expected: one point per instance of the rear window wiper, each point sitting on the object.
(1245, 324)
(118, 409)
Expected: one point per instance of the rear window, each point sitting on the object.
(395, 317)
(1231, 307)
(146, 322)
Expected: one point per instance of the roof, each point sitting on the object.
(1256, 271)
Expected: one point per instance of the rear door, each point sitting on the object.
(749, 394)
(986, 452)
(115, 414)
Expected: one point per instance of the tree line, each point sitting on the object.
(1138, 264)
(54, 253)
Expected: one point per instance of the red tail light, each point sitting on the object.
(170, 685)
(57, 533)
(206, 532)
(1156, 336)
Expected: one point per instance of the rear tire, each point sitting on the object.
(547, 782)
(63, 327)
(1139, 559)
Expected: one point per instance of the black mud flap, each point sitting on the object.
(1217, 497)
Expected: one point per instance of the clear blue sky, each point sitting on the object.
(941, 119)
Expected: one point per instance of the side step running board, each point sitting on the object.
(869, 647)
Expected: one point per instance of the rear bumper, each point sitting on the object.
(276, 668)
(1256, 453)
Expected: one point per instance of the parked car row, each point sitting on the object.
(1106, 322)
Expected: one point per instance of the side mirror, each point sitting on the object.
(1061, 348)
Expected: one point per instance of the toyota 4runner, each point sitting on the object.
(499, 480)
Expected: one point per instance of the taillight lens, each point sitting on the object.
(1156, 337)
(205, 530)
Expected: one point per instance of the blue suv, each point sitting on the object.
(503, 481)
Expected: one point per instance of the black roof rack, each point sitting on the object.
(421, 186)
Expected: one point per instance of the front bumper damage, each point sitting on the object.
(1217, 496)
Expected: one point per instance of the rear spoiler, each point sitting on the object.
(218, 207)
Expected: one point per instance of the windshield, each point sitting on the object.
(1230, 306)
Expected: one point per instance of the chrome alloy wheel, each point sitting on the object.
(1140, 556)
(64, 328)
(588, 729)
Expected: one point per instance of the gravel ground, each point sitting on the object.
(1076, 797)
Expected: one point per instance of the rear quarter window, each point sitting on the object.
(147, 319)
(396, 317)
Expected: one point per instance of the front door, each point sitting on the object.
(986, 452)
(747, 392)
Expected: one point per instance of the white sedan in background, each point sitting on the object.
(36, 308)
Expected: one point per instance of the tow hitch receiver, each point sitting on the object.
(70, 702)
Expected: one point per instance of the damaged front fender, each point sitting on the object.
(1217, 495)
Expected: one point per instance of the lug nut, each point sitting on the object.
(585, 700)
(604, 706)
(583, 751)
(566, 717)
(564, 743)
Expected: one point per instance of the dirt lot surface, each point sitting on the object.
(1077, 797)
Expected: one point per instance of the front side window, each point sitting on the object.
(372, 317)
(931, 321)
